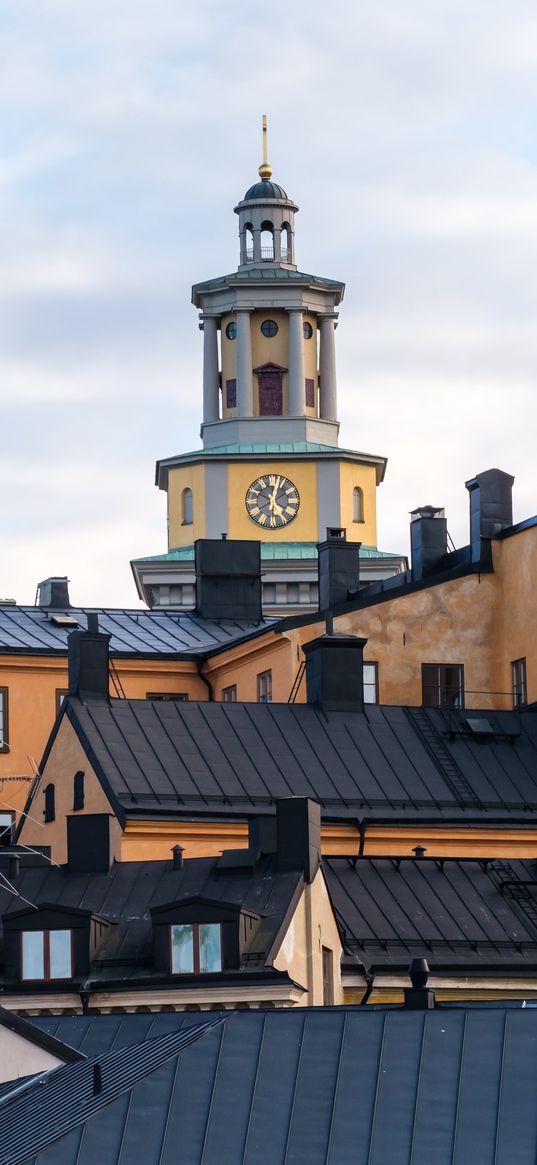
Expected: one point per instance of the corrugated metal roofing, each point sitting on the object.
(454, 911)
(319, 1087)
(229, 758)
(146, 633)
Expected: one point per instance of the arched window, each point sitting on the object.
(286, 253)
(267, 242)
(187, 508)
(357, 504)
(78, 790)
(248, 242)
(50, 803)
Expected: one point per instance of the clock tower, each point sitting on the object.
(270, 466)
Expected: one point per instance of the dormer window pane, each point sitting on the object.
(60, 954)
(182, 950)
(33, 954)
(210, 947)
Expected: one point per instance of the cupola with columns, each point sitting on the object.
(270, 467)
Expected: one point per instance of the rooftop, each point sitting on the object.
(322, 1086)
(269, 551)
(35, 631)
(177, 758)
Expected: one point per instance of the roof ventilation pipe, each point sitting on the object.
(228, 579)
(338, 565)
(491, 506)
(53, 593)
(178, 860)
(428, 540)
(419, 997)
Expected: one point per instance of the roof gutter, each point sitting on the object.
(203, 678)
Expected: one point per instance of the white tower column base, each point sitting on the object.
(327, 369)
(211, 404)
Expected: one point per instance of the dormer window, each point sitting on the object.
(46, 954)
(195, 948)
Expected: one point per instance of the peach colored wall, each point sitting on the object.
(515, 560)
(66, 757)
(312, 927)
(32, 683)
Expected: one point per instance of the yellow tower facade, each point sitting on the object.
(270, 466)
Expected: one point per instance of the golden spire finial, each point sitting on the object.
(265, 170)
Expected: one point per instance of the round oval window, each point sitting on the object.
(308, 331)
(231, 331)
(269, 328)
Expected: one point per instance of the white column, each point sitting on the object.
(245, 395)
(327, 370)
(296, 385)
(256, 231)
(211, 409)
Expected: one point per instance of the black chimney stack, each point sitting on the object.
(89, 661)
(262, 834)
(335, 672)
(338, 568)
(54, 593)
(228, 579)
(298, 834)
(419, 997)
(491, 506)
(428, 540)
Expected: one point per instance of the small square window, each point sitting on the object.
(371, 683)
(443, 685)
(231, 394)
(46, 954)
(196, 948)
(229, 695)
(4, 722)
(520, 683)
(264, 687)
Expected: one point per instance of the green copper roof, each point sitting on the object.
(264, 189)
(269, 550)
(291, 447)
(266, 275)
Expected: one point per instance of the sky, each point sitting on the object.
(405, 131)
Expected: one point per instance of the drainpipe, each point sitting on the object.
(362, 826)
(208, 684)
(370, 980)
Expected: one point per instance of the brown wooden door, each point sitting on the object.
(270, 394)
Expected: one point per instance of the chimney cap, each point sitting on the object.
(419, 973)
(427, 512)
(419, 850)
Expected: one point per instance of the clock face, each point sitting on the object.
(272, 501)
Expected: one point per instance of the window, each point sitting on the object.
(229, 695)
(520, 683)
(286, 250)
(267, 242)
(310, 393)
(264, 687)
(371, 683)
(4, 729)
(231, 331)
(308, 331)
(443, 685)
(50, 803)
(61, 693)
(196, 948)
(357, 504)
(231, 394)
(78, 790)
(328, 977)
(46, 954)
(6, 828)
(187, 508)
(269, 328)
(182, 696)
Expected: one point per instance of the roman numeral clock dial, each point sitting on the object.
(272, 501)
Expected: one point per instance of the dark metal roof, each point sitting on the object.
(264, 189)
(320, 1086)
(459, 913)
(126, 895)
(32, 631)
(172, 758)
